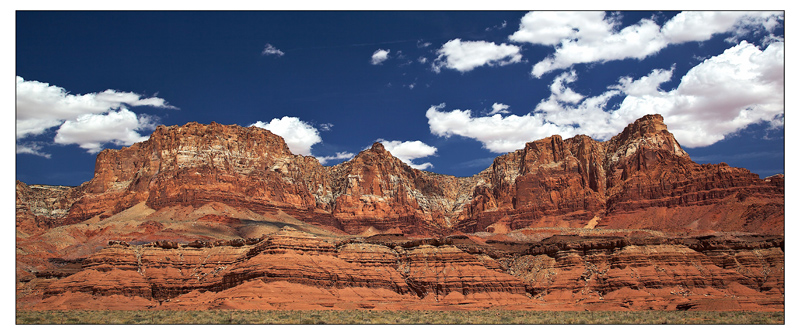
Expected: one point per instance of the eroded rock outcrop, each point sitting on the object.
(555, 182)
(656, 273)
(561, 272)
(39, 207)
(197, 164)
(184, 211)
(375, 189)
(158, 273)
(550, 182)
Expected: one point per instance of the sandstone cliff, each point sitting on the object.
(550, 182)
(196, 164)
(214, 216)
(555, 182)
(294, 270)
(39, 207)
(375, 189)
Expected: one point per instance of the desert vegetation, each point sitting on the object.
(348, 317)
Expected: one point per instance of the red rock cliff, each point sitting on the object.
(555, 182)
(549, 182)
(197, 164)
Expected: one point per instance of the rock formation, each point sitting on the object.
(40, 207)
(569, 182)
(560, 272)
(227, 217)
(549, 182)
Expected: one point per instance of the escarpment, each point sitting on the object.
(549, 182)
(556, 182)
(215, 216)
(197, 164)
(560, 272)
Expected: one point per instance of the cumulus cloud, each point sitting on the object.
(91, 131)
(550, 28)
(338, 156)
(407, 151)
(379, 56)
(586, 37)
(560, 93)
(498, 108)
(647, 85)
(467, 55)
(700, 26)
(742, 86)
(297, 134)
(497, 133)
(724, 94)
(41, 106)
(271, 50)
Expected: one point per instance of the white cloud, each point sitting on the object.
(91, 131)
(467, 55)
(701, 25)
(271, 50)
(560, 93)
(407, 151)
(339, 156)
(326, 126)
(379, 56)
(551, 28)
(298, 135)
(724, 94)
(635, 41)
(742, 86)
(586, 37)
(498, 108)
(36, 126)
(32, 149)
(497, 27)
(41, 106)
(647, 85)
(497, 133)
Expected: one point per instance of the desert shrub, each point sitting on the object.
(396, 317)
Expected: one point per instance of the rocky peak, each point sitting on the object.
(226, 147)
(648, 124)
(648, 132)
(378, 147)
(198, 163)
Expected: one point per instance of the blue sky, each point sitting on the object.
(445, 91)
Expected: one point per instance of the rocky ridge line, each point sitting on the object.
(550, 182)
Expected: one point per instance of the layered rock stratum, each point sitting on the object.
(214, 216)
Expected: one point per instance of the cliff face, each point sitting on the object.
(214, 216)
(39, 207)
(550, 182)
(375, 189)
(555, 182)
(295, 270)
(196, 164)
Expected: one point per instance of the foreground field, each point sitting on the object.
(395, 317)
